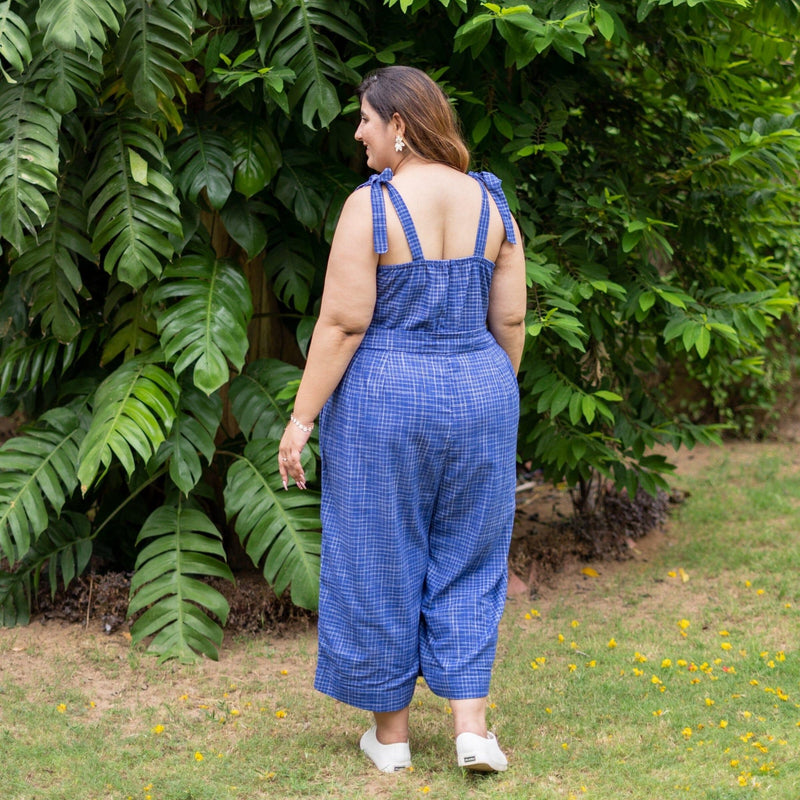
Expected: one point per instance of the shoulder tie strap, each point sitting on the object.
(380, 236)
(495, 187)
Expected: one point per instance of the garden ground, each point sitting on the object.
(673, 673)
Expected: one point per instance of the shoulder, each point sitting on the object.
(358, 201)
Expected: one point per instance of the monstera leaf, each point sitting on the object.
(182, 543)
(66, 22)
(28, 160)
(207, 327)
(15, 48)
(280, 530)
(133, 411)
(51, 262)
(295, 34)
(192, 436)
(37, 473)
(65, 547)
(132, 201)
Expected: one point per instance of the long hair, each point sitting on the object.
(432, 128)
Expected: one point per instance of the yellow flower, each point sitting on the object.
(158, 729)
(638, 672)
(639, 657)
(61, 708)
(574, 623)
(541, 660)
(681, 662)
(748, 584)
(709, 701)
(564, 746)
(184, 697)
(592, 664)
(284, 672)
(425, 789)
(723, 723)
(235, 712)
(560, 637)
(780, 656)
(726, 645)
(687, 733)
(760, 591)
(573, 645)
(683, 624)
(672, 574)
(280, 713)
(534, 613)
(666, 663)
(658, 712)
(550, 711)
(573, 667)
(198, 756)
(612, 643)
(534, 665)
(655, 680)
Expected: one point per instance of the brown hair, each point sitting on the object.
(432, 128)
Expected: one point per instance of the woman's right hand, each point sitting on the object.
(293, 441)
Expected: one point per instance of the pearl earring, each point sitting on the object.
(399, 144)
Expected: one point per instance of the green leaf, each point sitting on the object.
(202, 162)
(133, 411)
(67, 22)
(208, 325)
(37, 473)
(243, 221)
(132, 326)
(50, 263)
(256, 401)
(28, 161)
(256, 157)
(184, 543)
(15, 48)
(280, 528)
(154, 38)
(605, 23)
(296, 35)
(130, 218)
(192, 435)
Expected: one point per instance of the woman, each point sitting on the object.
(414, 359)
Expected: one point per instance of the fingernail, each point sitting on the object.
(285, 487)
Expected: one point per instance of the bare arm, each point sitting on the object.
(508, 299)
(348, 302)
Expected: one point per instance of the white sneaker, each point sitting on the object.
(386, 757)
(479, 754)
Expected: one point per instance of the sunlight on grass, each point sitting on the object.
(676, 676)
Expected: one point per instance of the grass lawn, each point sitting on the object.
(673, 675)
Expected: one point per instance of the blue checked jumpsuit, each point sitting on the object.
(418, 446)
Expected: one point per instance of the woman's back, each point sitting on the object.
(445, 207)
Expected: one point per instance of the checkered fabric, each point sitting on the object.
(418, 448)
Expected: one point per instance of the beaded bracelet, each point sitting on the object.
(305, 428)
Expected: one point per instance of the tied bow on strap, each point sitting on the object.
(495, 187)
(376, 183)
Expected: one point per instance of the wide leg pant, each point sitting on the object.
(418, 477)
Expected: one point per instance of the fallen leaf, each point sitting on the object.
(592, 573)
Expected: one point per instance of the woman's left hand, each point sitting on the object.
(292, 443)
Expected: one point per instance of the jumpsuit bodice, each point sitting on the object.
(431, 304)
